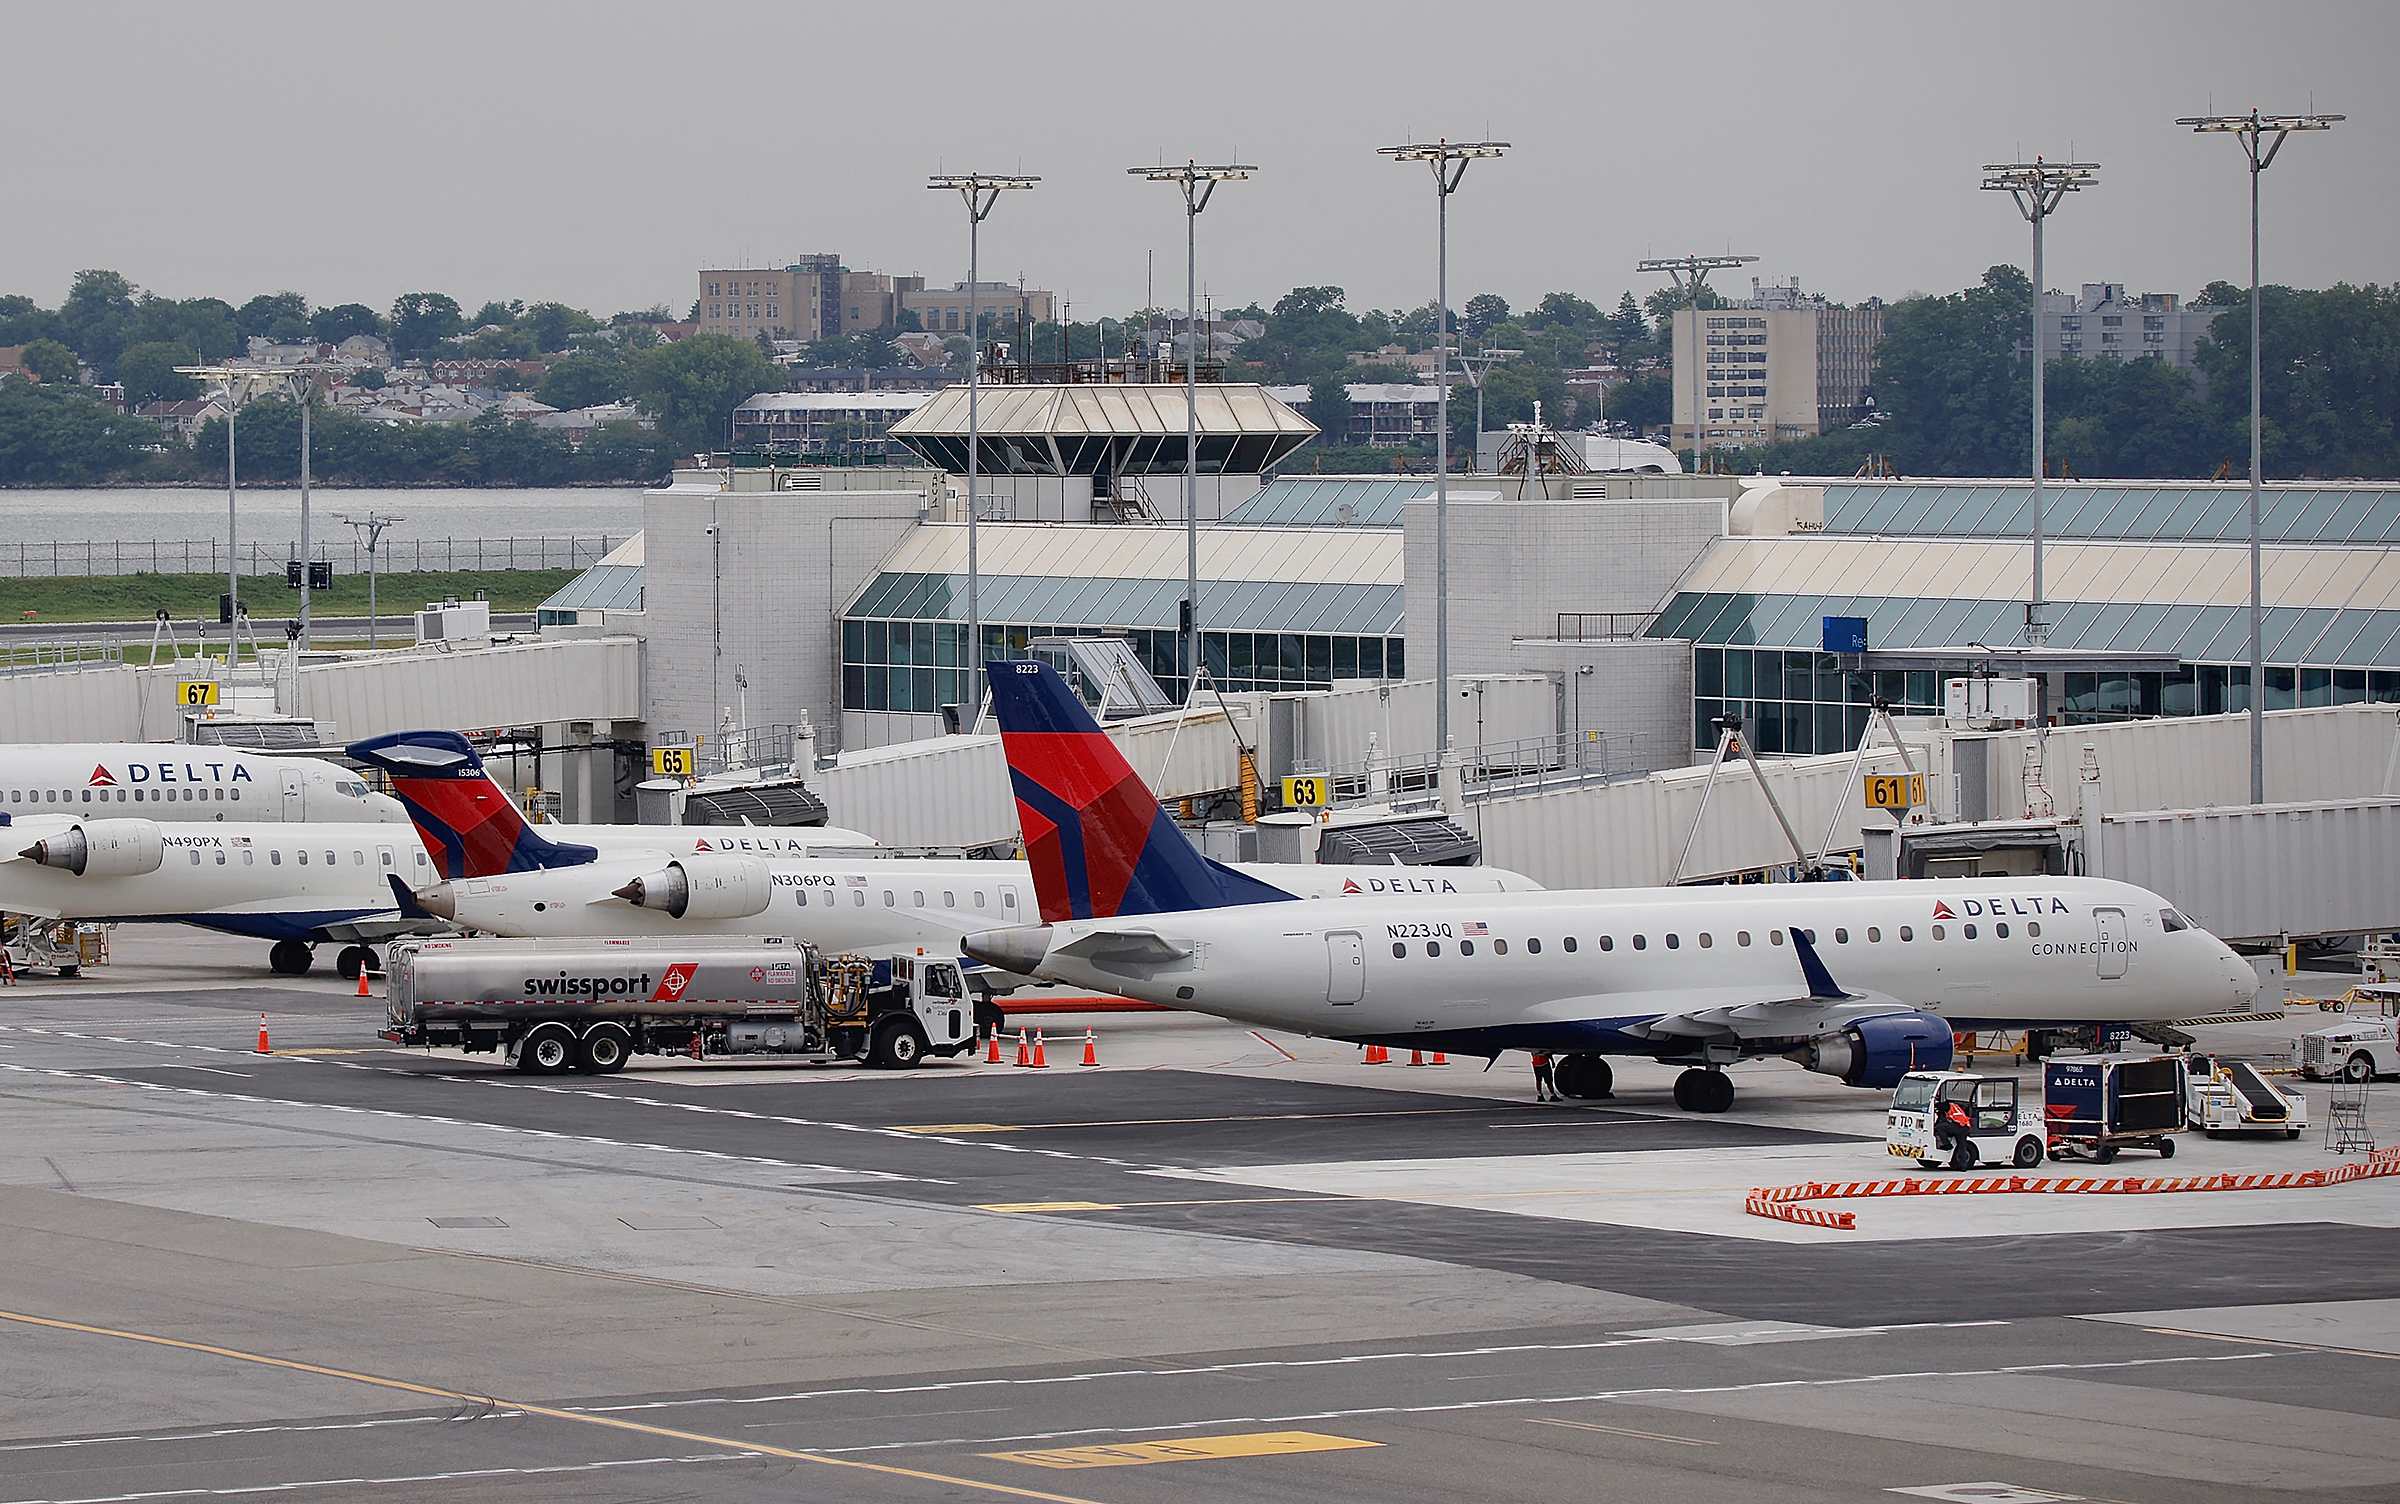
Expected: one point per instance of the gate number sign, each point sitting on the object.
(196, 692)
(1305, 793)
(671, 762)
(1895, 791)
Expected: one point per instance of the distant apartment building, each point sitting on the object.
(1004, 306)
(1383, 415)
(1780, 364)
(846, 424)
(2106, 323)
(816, 297)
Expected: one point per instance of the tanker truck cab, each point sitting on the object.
(916, 1006)
(1961, 1119)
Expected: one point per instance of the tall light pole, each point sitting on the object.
(981, 190)
(1199, 185)
(1690, 275)
(371, 528)
(240, 385)
(2252, 129)
(1449, 160)
(2038, 187)
(1475, 367)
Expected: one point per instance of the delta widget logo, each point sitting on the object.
(100, 778)
(1350, 885)
(1941, 910)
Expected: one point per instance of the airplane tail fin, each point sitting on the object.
(466, 820)
(1099, 844)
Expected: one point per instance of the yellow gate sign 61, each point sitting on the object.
(1306, 793)
(1895, 791)
(671, 762)
(196, 692)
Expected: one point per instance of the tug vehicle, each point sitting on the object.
(1960, 1119)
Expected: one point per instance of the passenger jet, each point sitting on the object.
(1861, 981)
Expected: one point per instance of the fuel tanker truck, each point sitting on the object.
(554, 1006)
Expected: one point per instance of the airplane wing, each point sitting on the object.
(1825, 1004)
(1141, 947)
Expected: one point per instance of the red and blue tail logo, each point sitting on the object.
(1097, 840)
(467, 821)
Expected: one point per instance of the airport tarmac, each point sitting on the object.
(1222, 1264)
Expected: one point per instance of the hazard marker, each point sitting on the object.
(1040, 1060)
(1091, 1047)
(263, 1048)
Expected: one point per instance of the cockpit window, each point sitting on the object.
(2170, 921)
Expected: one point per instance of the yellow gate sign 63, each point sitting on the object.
(1306, 793)
(1895, 790)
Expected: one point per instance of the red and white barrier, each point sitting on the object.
(1781, 1202)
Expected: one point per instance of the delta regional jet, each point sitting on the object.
(172, 781)
(1861, 981)
(507, 877)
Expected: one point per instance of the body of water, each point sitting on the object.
(272, 516)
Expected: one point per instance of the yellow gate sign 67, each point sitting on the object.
(671, 762)
(1895, 790)
(196, 692)
(1306, 793)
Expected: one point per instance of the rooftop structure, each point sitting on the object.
(1104, 430)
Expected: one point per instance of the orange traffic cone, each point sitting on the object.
(1024, 1056)
(263, 1047)
(362, 981)
(992, 1055)
(1440, 1059)
(1091, 1048)
(1040, 1061)
(1376, 1055)
(1416, 1057)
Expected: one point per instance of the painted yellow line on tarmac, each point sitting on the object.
(953, 1128)
(609, 1422)
(1052, 1206)
(2308, 1347)
(1190, 1449)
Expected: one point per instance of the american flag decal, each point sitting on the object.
(1476, 929)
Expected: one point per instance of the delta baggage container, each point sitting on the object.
(2094, 1105)
(553, 1006)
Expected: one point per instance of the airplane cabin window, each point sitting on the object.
(1741, 937)
(357, 858)
(2033, 927)
(220, 858)
(249, 859)
(274, 858)
(1874, 935)
(1841, 937)
(1641, 942)
(829, 898)
(888, 900)
(195, 856)
(1809, 935)
(1906, 933)
(2001, 930)
(1707, 940)
(1499, 947)
(237, 794)
(1674, 942)
(979, 900)
(1569, 942)
(1433, 947)
(1008, 898)
(1774, 937)
(1937, 932)
(858, 898)
(1967, 930)
(949, 899)
(1399, 950)
(303, 858)
(917, 899)
(87, 796)
(1466, 947)
(332, 859)
(1608, 942)
(1533, 947)
(387, 859)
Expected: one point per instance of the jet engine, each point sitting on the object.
(1877, 1052)
(102, 848)
(704, 887)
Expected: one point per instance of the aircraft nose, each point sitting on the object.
(438, 901)
(2244, 978)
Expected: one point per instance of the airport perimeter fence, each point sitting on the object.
(209, 555)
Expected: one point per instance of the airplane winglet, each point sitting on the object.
(1812, 966)
(407, 901)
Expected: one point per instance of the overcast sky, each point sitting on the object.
(601, 152)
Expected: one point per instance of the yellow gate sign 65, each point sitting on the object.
(1306, 793)
(1895, 791)
(196, 692)
(671, 762)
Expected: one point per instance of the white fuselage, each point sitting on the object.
(310, 881)
(2049, 950)
(170, 781)
(871, 905)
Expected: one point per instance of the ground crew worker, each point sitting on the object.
(1543, 1091)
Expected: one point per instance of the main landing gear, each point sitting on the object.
(291, 958)
(1584, 1077)
(1703, 1090)
(352, 960)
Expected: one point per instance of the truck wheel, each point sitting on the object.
(2029, 1153)
(2105, 1154)
(2291, 1133)
(290, 958)
(602, 1050)
(548, 1051)
(2361, 1067)
(898, 1046)
(1930, 1164)
(1962, 1155)
(2166, 1148)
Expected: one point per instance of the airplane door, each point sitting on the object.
(2115, 950)
(293, 800)
(1345, 968)
(384, 867)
